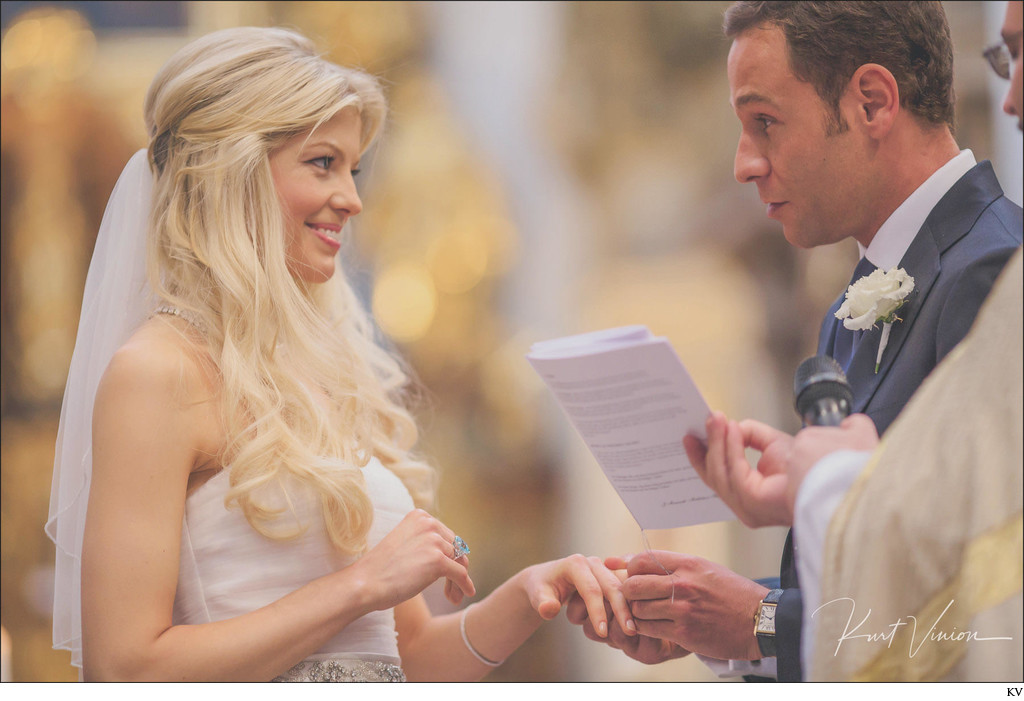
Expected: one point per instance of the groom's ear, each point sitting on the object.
(873, 99)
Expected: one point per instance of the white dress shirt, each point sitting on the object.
(894, 237)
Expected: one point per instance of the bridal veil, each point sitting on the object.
(117, 300)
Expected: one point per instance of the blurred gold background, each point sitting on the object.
(549, 168)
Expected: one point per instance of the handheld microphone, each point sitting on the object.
(823, 396)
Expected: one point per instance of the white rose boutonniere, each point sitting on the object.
(874, 299)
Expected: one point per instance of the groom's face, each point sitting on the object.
(808, 176)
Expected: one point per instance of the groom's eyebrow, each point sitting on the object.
(750, 98)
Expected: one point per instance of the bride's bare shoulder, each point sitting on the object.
(164, 356)
(162, 381)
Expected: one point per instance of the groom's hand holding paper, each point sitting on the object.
(757, 496)
(632, 401)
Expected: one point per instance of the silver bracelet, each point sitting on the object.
(469, 645)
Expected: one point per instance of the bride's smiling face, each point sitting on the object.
(314, 178)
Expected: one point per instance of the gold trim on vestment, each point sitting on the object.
(991, 571)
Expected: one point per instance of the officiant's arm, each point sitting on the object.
(450, 647)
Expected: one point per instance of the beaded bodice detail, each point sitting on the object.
(342, 670)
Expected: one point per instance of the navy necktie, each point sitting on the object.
(845, 340)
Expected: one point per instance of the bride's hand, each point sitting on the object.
(414, 555)
(639, 647)
(550, 585)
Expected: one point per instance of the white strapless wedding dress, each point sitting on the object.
(228, 569)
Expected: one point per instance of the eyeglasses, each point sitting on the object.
(999, 58)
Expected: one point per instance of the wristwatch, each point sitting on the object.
(764, 622)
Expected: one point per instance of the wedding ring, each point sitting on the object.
(460, 548)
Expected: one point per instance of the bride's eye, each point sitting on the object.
(323, 162)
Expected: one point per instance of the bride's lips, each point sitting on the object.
(326, 233)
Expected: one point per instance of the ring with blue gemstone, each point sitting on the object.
(460, 548)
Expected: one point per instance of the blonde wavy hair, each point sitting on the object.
(304, 384)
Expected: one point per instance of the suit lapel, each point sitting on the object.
(921, 262)
(950, 220)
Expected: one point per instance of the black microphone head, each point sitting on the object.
(820, 378)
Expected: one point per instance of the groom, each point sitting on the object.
(846, 111)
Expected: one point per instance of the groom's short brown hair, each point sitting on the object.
(828, 41)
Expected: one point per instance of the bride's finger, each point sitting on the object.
(611, 587)
(616, 562)
(457, 547)
(582, 578)
(452, 592)
(457, 574)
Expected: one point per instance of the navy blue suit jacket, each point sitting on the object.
(954, 260)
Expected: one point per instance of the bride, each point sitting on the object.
(234, 433)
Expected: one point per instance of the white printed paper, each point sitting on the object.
(631, 399)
